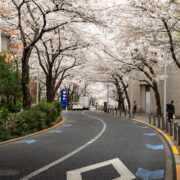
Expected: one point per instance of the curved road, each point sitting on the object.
(90, 146)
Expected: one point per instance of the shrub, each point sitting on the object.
(38, 118)
(14, 108)
(58, 106)
(50, 110)
(4, 130)
(30, 121)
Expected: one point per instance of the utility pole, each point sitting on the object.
(107, 92)
(131, 81)
(37, 88)
(165, 81)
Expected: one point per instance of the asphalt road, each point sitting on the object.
(90, 146)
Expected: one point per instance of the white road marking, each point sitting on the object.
(36, 172)
(124, 172)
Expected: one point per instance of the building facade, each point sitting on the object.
(145, 98)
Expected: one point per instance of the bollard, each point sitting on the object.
(170, 129)
(167, 126)
(154, 120)
(116, 112)
(178, 134)
(175, 131)
(162, 123)
(159, 122)
(149, 118)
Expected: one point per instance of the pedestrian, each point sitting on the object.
(134, 107)
(171, 111)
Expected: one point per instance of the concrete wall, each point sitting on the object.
(173, 91)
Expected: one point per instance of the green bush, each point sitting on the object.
(30, 121)
(14, 108)
(50, 110)
(38, 118)
(58, 106)
(4, 130)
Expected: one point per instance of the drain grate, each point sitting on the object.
(8, 172)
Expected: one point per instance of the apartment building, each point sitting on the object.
(144, 95)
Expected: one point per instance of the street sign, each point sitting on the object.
(64, 99)
(123, 171)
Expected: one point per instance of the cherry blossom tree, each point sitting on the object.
(32, 19)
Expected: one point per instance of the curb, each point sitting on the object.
(174, 148)
(63, 120)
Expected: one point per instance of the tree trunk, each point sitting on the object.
(157, 97)
(25, 79)
(121, 101)
(50, 94)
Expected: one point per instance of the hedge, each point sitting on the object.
(39, 117)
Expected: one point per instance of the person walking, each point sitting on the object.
(171, 111)
(134, 107)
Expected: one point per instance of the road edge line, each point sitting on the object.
(62, 121)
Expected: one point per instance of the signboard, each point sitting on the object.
(64, 99)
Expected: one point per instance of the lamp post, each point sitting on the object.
(165, 81)
(37, 87)
(165, 77)
(131, 81)
(107, 92)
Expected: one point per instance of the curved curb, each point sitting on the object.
(173, 148)
(36, 133)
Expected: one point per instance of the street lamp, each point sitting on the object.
(131, 81)
(37, 88)
(107, 92)
(165, 77)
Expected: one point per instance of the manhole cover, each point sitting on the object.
(8, 172)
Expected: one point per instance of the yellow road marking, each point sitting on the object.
(142, 122)
(167, 137)
(150, 125)
(159, 130)
(175, 150)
